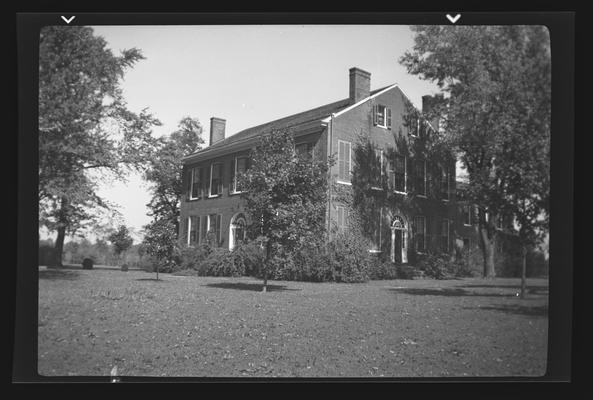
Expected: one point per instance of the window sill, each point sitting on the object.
(398, 192)
(344, 182)
(194, 198)
(445, 200)
(422, 196)
(235, 193)
(376, 188)
(464, 224)
(213, 196)
(375, 251)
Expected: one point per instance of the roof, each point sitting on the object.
(314, 114)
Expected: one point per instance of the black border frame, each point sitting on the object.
(562, 34)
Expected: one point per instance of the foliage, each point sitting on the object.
(160, 241)
(166, 168)
(496, 115)
(384, 270)
(285, 196)
(86, 132)
(121, 240)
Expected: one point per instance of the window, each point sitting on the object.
(420, 233)
(499, 221)
(195, 185)
(193, 227)
(415, 128)
(215, 179)
(240, 166)
(344, 161)
(342, 218)
(467, 215)
(377, 231)
(382, 116)
(238, 231)
(466, 245)
(444, 184)
(399, 173)
(378, 170)
(445, 236)
(214, 224)
(304, 150)
(420, 177)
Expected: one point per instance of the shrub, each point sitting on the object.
(435, 266)
(87, 263)
(383, 270)
(124, 267)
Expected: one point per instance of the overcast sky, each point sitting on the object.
(248, 75)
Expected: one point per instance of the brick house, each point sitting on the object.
(212, 200)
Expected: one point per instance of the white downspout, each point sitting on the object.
(329, 189)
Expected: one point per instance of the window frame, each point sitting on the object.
(467, 214)
(212, 165)
(339, 180)
(383, 114)
(209, 227)
(424, 167)
(445, 173)
(405, 173)
(192, 182)
(236, 174)
(343, 227)
(379, 179)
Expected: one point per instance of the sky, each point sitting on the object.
(248, 75)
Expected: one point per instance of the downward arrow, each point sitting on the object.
(68, 20)
(449, 17)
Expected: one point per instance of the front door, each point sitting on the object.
(396, 245)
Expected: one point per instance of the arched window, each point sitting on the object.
(237, 233)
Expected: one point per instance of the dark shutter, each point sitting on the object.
(233, 185)
(218, 229)
(388, 112)
(374, 114)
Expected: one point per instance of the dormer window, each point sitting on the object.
(382, 116)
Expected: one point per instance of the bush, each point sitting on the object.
(383, 270)
(435, 266)
(87, 263)
(124, 267)
(46, 253)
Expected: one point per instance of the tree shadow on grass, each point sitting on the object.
(534, 311)
(530, 289)
(448, 292)
(254, 287)
(151, 280)
(57, 274)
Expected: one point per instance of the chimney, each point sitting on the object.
(360, 84)
(217, 126)
(428, 104)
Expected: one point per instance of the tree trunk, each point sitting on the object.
(268, 251)
(157, 271)
(59, 247)
(487, 246)
(523, 270)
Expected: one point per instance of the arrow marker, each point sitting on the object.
(449, 17)
(68, 20)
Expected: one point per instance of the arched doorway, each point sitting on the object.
(237, 231)
(399, 240)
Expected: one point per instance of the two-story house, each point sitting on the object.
(212, 201)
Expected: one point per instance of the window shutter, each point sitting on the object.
(374, 114)
(388, 112)
(204, 227)
(233, 184)
(218, 229)
(188, 176)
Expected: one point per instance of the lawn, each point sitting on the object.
(92, 320)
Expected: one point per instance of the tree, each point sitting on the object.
(285, 196)
(165, 170)
(121, 240)
(86, 132)
(495, 114)
(160, 242)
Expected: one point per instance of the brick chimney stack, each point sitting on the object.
(360, 84)
(217, 126)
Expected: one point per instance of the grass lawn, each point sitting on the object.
(92, 320)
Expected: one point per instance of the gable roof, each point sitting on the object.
(314, 114)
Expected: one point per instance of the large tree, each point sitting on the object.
(166, 167)
(285, 196)
(495, 114)
(121, 241)
(86, 132)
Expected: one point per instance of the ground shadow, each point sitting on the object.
(151, 280)
(534, 311)
(448, 292)
(58, 274)
(255, 287)
(543, 290)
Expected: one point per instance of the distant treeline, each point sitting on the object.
(101, 252)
